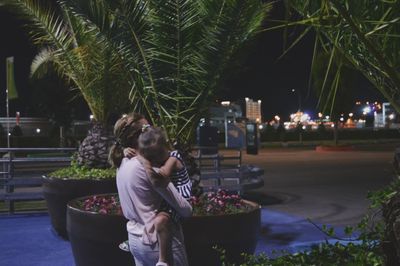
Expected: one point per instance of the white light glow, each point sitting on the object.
(351, 114)
(391, 116)
(304, 117)
(367, 109)
(38, 130)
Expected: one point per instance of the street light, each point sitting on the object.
(298, 96)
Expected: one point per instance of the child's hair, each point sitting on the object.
(153, 144)
(126, 131)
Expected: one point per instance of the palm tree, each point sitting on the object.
(166, 57)
(73, 47)
(181, 49)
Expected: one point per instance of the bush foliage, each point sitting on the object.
(76, 171)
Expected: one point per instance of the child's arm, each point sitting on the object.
(129, 152)
(169, 166)
(155, 178)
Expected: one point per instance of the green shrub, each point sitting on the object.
(76, 171)
(82, 172)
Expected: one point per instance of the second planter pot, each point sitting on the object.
(58, 192)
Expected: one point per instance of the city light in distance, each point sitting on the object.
(367, 110)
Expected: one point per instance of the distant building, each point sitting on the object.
(41, 126)
(30, 126)
(390, 117)
(253, 110)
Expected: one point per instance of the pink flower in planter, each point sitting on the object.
(211, 203)
(105, 204)
(217, 203)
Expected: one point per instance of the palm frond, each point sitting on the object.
(166, 57)
(368, 37)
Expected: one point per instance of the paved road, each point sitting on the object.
(327, 187)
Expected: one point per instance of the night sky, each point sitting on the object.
(258, 74)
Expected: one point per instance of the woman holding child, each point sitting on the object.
(151, 203)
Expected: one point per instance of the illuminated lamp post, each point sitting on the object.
(299, 98)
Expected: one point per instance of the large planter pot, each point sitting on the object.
(58, 192)
(95, 237)
(235, 233)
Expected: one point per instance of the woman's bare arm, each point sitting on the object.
(175, 199)
(167, 190)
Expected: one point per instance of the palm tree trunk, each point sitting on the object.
(391, 243)
(94, 149)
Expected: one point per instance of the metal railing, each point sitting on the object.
(224, 170)
(22, 170)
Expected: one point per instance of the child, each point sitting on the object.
(154, 148)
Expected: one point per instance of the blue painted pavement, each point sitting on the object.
(28, 240)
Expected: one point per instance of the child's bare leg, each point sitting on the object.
(162, 225)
